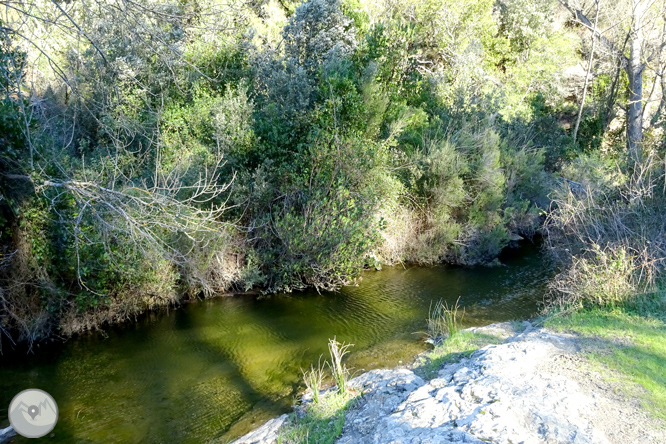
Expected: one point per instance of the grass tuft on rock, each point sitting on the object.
(454, 348)
(320, 422)
(314, 378)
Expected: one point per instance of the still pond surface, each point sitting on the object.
(211, 371)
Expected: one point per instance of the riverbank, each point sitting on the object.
(236, 362)
(100, 320)
(534, 385)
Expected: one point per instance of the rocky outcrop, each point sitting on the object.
(7, 433)
(267, 433)
(498, 395)
(507, 393)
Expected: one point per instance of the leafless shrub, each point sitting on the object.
(23, 281)
(612, 240)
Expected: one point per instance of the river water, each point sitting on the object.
(211, 371)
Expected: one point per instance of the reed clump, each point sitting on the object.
(340, 372)
(444, 320)
(314, 378)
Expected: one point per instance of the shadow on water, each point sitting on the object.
(213, 370)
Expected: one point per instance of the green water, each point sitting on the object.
(211, 371)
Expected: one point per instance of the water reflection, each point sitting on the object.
(210, 371)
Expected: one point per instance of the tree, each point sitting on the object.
(111, 193)
(587, 74)
(122, 63)
(639, 36)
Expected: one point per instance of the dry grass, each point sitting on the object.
(607, 279)
(313, 379)
(407, 236)
(611, 239)
(221, 267)
(339, 370)
(414, 234)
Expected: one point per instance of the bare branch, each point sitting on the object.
(583, 20)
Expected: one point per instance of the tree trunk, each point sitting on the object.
(635, 73)
(587, 74)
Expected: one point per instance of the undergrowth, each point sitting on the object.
(609, 236)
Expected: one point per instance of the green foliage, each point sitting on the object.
(535, 76)
(425, 129)
(318, 33)
(316, 116)
(520, 24)
(478, 188)
(453, 349)
(322, 240)
(12, 137)
(321, 422)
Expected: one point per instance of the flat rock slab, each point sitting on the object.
(267, 433)
(515, 392)
(497, 395)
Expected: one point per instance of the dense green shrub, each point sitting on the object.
(179, 150)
